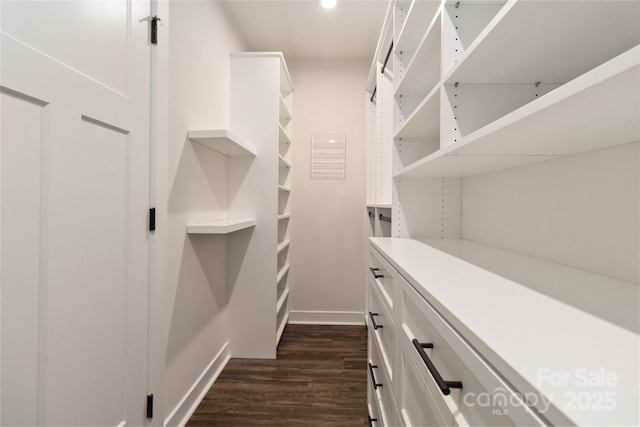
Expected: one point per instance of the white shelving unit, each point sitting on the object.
(380, 127)
(221, 226)
(379, 219)
(284, 216)
(237, 215)
(594, 111)
(261, 111)
(222, 141)
(515, 153)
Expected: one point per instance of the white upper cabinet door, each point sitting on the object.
(74, 175)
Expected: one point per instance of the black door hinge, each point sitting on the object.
(152, 219)
(154, 29)
(150, 406)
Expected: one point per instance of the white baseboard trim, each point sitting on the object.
(326, 317)
(187, 406)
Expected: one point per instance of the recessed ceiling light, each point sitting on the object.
(328, 4)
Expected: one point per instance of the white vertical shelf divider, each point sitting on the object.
(260, 112)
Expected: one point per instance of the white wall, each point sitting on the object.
(328, 216)
(200, 42)
(580, 211)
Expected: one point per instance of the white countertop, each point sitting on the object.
(530, 338)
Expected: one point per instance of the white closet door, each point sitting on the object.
(74, 172)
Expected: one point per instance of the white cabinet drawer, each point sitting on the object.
(380, 384)
(416, 405)
(375, 419)
(381, 323)
(484, 398)
(384, 276)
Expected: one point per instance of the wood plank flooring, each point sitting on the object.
(318, 379)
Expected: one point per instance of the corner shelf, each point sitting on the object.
(283, 324)
(282, 246)
(282, 299)
(284, 216)
(283, 188)
(282, 272)
(284, 113)
(222, 141)
(283, 162)
(284, 136)
(582, 115)
(222, 226)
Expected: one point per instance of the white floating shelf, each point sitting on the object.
(413, 28)
(597, 110)
(284, 216)
(283, 188)
(282, 299)
(424, 121)
(282, 272)
(577, 286)
(281, 326)
(282, 246)
(222, 141)
(284, 136)
(590, 43)
(222, 226)
(379, 205)
(423, 72)
(283, 162)
(284, 113)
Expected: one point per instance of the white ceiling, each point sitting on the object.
(302, 29)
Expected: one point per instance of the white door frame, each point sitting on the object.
(159, 134)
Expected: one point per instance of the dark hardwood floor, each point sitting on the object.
(318, 379)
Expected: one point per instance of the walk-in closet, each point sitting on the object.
(320, 212)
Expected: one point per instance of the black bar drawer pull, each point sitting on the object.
(372, 420)
(373, 320)
(375, 275)
(373, 377)
(444, 385)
